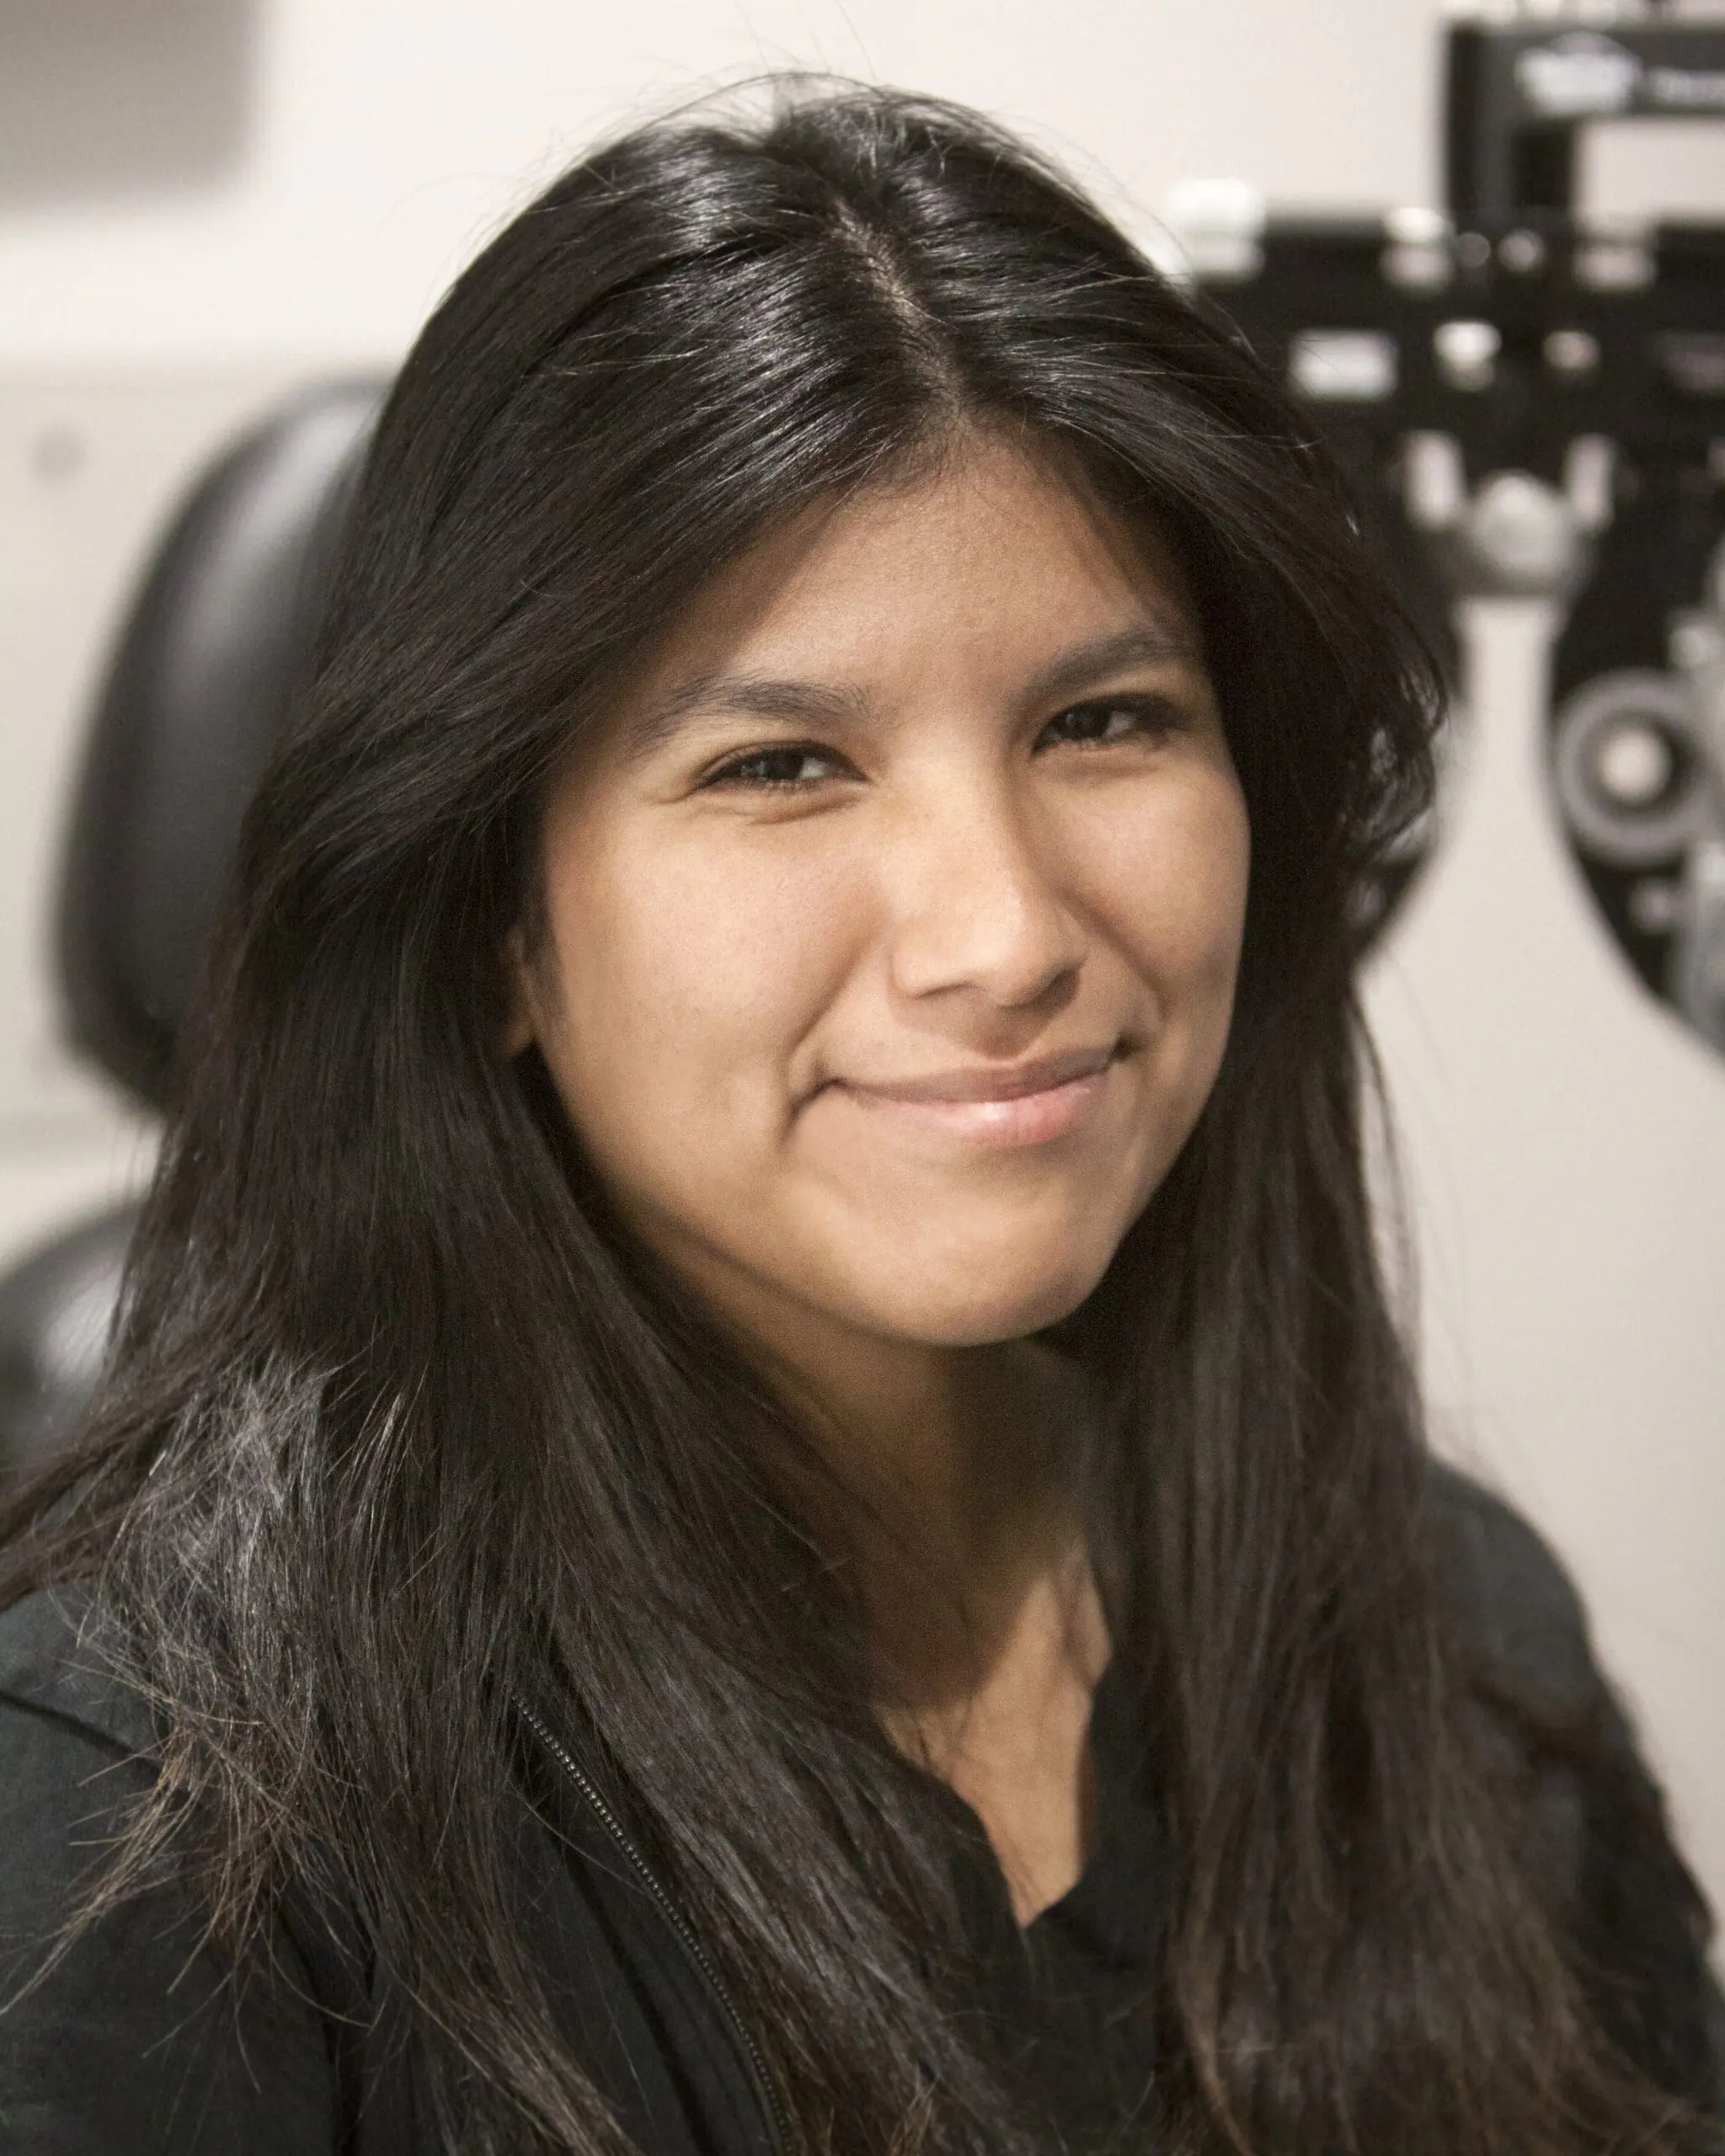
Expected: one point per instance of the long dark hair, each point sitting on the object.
(401, 1425)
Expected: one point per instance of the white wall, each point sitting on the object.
(378, 140)
(200, 198)
(1564, 1141)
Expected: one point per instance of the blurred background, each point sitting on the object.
(204, 204)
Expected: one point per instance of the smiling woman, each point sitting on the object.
(755, 1493)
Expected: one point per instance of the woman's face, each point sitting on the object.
(893, 915)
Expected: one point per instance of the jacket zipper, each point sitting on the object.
(748, 2046)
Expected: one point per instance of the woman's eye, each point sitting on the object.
(794, 764)
(1113, 718)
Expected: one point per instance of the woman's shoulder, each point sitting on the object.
(56, 1660)
(1514, 1606)
(1597, 1831)
(126, 2030)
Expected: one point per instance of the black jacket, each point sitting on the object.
(134, 2042)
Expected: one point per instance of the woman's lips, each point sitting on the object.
(996, 1109)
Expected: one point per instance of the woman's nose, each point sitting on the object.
(976, 903)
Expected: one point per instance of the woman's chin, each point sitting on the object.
(975, 1311)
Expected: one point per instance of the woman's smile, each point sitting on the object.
(1026, 1104)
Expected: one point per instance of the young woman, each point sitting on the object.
(755, 1494)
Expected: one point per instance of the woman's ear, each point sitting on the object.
(521, 1024)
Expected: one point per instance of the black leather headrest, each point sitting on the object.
(56, 1311)
(215, 649)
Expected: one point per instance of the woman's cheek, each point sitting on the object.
(1172, 879)
(701, 973)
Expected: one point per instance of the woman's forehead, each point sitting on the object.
(998, 541)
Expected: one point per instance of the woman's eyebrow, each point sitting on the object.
(750, 695)
(1151, 642)
(1154, 641)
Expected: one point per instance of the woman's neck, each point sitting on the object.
(953, 1496)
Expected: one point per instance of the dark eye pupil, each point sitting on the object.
(1090, 720)
(773, 764)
